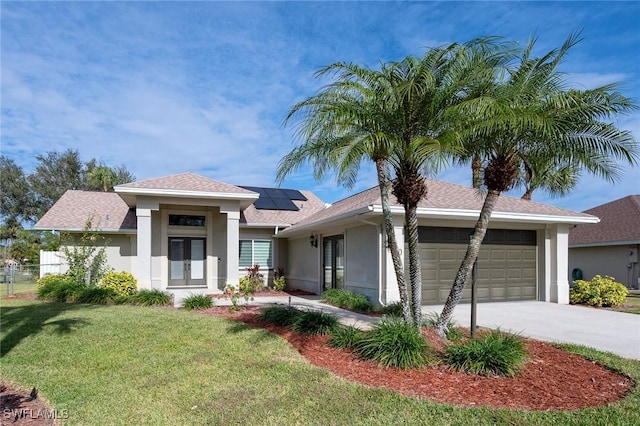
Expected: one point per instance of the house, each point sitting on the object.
(611, 246)
(189, 234)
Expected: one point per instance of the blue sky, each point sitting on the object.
(170, 87)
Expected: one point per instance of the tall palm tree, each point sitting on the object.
(348, 122)
(532, 118)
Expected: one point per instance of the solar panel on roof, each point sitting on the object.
(294, 194)
(276, 198)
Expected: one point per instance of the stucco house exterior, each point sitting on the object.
(189, 234)
(611, 246)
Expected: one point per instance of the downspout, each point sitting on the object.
(380, 245)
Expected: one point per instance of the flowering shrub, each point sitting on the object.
(600, 291)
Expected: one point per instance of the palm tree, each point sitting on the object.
(532, 119)
(102, 178)
(340, 127)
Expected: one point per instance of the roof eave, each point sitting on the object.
(606, 244)
(299, 228)
(440, 213)
(186, 194)
(103, 230)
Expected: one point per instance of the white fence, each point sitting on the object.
(52, 262)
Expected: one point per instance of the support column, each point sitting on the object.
(392, 292)
(143, 270)
(233, 246)
(559, 264)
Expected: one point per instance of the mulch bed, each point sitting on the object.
(552, 379)
(18, 407)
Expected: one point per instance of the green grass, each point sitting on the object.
(630, 305)
(114, 365)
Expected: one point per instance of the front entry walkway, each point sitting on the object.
(609, 331)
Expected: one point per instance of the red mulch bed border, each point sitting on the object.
(552, 379)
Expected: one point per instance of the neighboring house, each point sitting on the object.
(611, 246)
(190, 234)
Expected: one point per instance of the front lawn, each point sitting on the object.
(135, 365)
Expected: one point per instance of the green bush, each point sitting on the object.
(346, 299)
(59, 288)
(97, 296)
(123, 299)
(344, 337)
(197, 301)
(252, 282)
(122, 283)
(392, 310)
(279, 284)
(314, 322)
(151, 297)
(496, 353)
(279, 315)
(451, 333)
(600, 291)
(394, 343)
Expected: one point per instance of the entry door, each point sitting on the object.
(187, 261)
(333, 262)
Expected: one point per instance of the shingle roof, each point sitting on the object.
(619, 221)
(441, 195)
(251, 215)
(186, 182)
(106, 210)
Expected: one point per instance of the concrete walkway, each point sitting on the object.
(609, 331)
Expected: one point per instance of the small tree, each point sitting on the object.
(87, 261)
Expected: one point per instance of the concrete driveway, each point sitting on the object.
(609, 331)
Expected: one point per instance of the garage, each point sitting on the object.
(507, 264)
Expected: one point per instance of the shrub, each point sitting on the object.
(600, 291)
(59, 288)
(151, 297)
(122, 283)
(495, 353)
(279, 283)
(97, 296)
(197, 301)
(392, 310)
(346, 299)
(344, 337)
(230, 292)
(451, 333)
(394, 343)
(124, 299)
(252, 282)
(279, 315)
(314, 322)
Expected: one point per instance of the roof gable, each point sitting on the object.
(619, 222)
(186, 182)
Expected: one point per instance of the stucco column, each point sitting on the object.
(233, 246)
(143, 270)
(559, 264)
(392, 293)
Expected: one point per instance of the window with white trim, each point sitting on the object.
(255, 251)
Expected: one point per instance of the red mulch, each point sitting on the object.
(552, 379)
(18, 408)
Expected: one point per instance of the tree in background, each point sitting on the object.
(16, 204)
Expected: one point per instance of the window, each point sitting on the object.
(255, 251)
(185, 220)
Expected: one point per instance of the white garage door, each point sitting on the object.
(506, 271)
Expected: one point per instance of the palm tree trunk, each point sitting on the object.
(476, 167)
(392, 243)
(415, 273)
(527, 194)
(467, 263)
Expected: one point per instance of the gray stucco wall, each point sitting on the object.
(607, 260)
(361, 261)
(304, 264)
